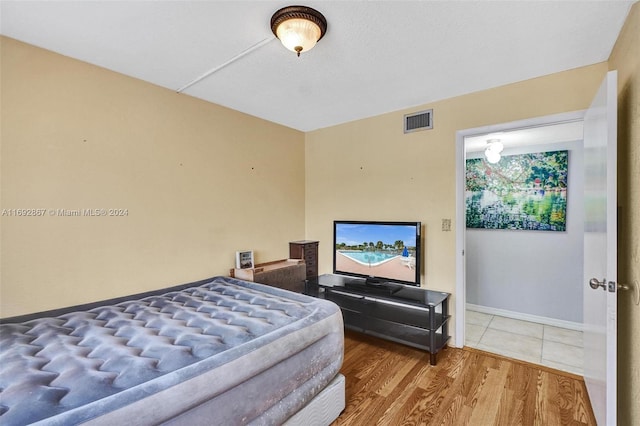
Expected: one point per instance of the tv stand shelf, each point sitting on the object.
(404, 314)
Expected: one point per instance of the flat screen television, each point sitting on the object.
(378, 251)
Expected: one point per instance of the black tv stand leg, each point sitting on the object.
(432, 358)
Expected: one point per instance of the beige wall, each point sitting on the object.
(626, 60)
(199, 181)
(370, 170)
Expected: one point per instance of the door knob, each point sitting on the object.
(594, 283)
(634, 287)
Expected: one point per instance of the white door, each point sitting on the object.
(600, 251)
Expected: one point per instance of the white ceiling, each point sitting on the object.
(549, 134)
(377, 56)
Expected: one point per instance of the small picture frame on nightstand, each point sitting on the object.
(244, 259)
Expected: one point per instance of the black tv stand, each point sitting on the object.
(371, 286)
(404, 314)
(375, 282)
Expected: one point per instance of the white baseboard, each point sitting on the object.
(526, 317)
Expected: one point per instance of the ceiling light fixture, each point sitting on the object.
(494, 148)
(298, 27)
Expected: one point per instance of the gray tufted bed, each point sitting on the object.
(217, 352)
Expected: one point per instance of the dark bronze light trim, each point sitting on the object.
(299, 12)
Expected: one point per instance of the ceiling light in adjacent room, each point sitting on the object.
(494, 148)
(298, 27)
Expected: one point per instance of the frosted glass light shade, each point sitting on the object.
(495, 145)
(298, 35)
(298, 27)
(492, 156)
(494, 148)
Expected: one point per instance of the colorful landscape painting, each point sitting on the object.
(525, 191)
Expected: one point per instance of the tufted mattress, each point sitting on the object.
(220, 351)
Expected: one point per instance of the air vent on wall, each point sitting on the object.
(422, 120)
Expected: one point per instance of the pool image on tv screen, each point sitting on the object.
(381, 250)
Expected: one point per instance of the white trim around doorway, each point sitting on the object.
(460, 224)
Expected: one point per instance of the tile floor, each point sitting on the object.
(554, 347)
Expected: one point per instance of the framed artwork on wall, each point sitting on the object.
(520, 192)
(244, 259)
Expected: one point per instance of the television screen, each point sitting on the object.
(385, 251)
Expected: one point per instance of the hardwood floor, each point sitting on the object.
(393, 384)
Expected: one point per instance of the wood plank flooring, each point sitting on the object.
(393, 384)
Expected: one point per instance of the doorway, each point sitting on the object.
(519, 291)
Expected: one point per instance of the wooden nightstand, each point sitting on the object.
(307, 251)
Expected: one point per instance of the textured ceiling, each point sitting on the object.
(377, 56)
